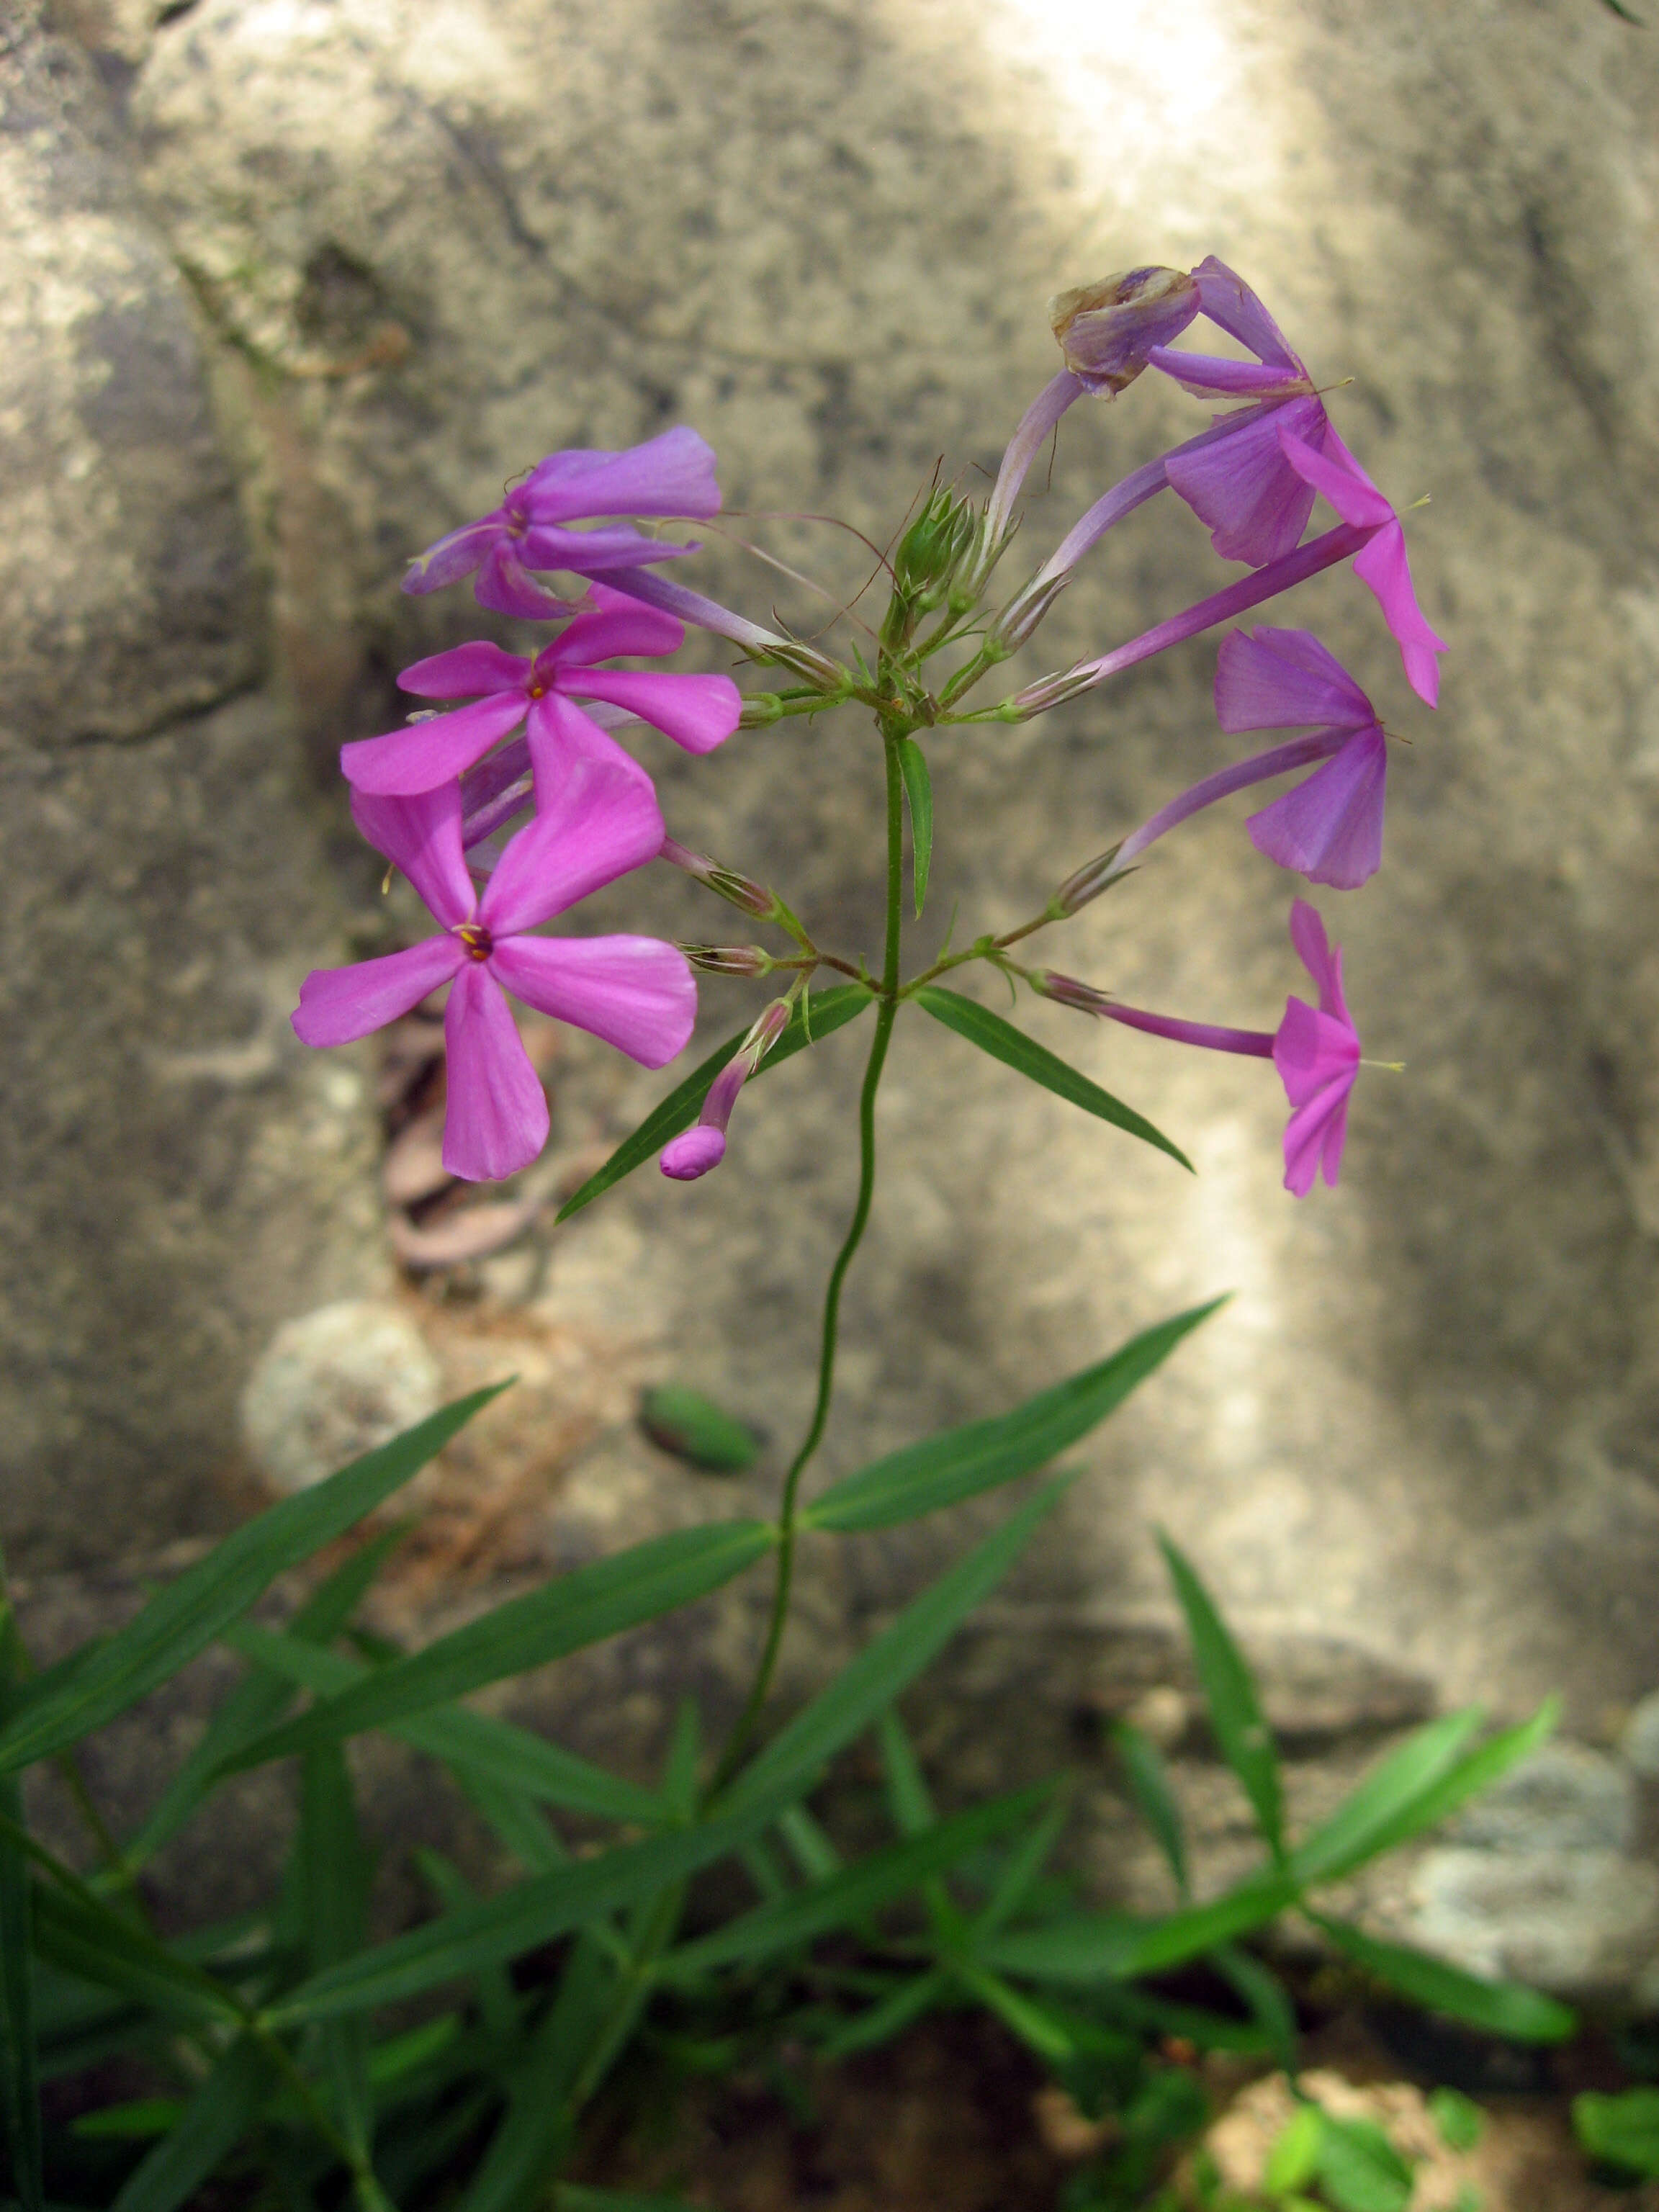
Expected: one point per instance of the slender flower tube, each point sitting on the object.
(636, 993)
(672, 475)
(1316, 1051)
(698, 712)
(762, 644)
(695, 1151)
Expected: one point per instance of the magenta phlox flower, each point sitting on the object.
(702, 1146)
(1382, 564)
(672, 475)
(698, 712)
(1329, 828)
(635, 992)
(1240, 484)
(1316, 1052)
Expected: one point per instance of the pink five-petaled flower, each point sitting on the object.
(1315, 1049)
(698, 712)
(1240, 482)
(1328, 828)
(636, 993)
(1382, 563)
(669, 475)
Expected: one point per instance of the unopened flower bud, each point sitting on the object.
(1024, 612)
(1070, 992)
(1105, 330)
(930, 549)
(760, 710)
(737, 890)
(806, 661)
(1088, 883)
(698, 1149)
(729, 959)
(1050, 692)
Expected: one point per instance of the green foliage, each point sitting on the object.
(992, 1034)
(1620, 2131)
(1458, 2119)
(694, 1428)
(830, 1010)
(919, 798)
(1230, 1694)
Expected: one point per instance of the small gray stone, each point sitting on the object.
(333, 1384)
(1565, 1797)
(1574, 1922)
(1639, 1744)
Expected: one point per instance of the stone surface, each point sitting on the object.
(1580, 1922)
(431, 242)
(333, 1384)
(1565, 1797)
(1639, 1741)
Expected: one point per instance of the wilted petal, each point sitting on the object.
(698, 712)
(671, 474)
(1284, 679)
(1332, 470)
(1383, 565)
(1105, 332)
(456, 555)
(425, 754)
(496, 1120)
(595, 826)
(1323, 962)
(562, 735)
(693, 1153)
(504, 584)
(337, 1004)
(1255, 501)
(1330, 827)
(636, 993)
(465, 673)
(422, 837)
(1230, 305)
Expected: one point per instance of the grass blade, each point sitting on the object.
(1148, 1778)
(1389, 1794)
(20, 2058)
(944, 1469)
(881, 1672)
(1236, 1714)
(334, 1874)
(213, 2124)
(93, 1685)
(1500, 2007)
(992, 1034)
(919, 797)
(575, 1609)
(1111, 1947)
(830, 1009)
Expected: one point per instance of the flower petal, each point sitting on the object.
(1315, 1135)
(1322, 960)
(619, 625)
(339, 1003)
(1329, 828)
(496, 1118)
(504, 584)
(671, 474)
(424, 754)
(1201, 374)
(1231, 306)
(1383, 565)
(465, 673)
(1244, 487)
(692, 1153)
(595, 826)
(636, 993)
(456, 555)
(698, 712)
(1284, 679)
(560, 735)
(1332, 470)
(588, 552)
(422, 837)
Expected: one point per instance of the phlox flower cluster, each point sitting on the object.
(439, 796)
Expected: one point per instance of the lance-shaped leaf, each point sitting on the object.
(830, 1010)
(881, 1670)
(992, 1034)
(919, 797)
(575, 1609)
(1500, 2007)
(1154, 1796)
(1107, 1947)
(20, 2062)
(93, 1685)
(1230, 1693)
(1386, 1799)
(943, 1469)
(212, 2125)
(334, 1870)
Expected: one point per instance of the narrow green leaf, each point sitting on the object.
(1229, 1688)
(1025, 1862)
(1090, 1947)
(682, 1766)
(814, 1855)
(1458, 2120)
(259, 1702)
(64, 1704)
(139, 2121)
(478, 1746)
(1036, 2027)
(1622, 2131)
(992, 1034)
(958, 1463)
(1385, 1801)
(575, 1609)
(1149, 1786)
(919, 797)
(20, 2056)
(851, 1895)
(213, 2122)
(830, 1009)
(534, 2135)
(497, 2005)
(1500, 2007)
(1262, 1990)
(79, 1934)
(890, 2017)
(1359, 2169)
(568, 2198)
(694, 1428)
(334, 1874)
(908, 1801)
(515, 1816)
(881, 1672)
(1294, 2158)
(520, 1919)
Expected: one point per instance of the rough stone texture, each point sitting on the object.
(333, 1384)
(1582, 1923)
(434, 240)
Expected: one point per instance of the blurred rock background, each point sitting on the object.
(291, 286)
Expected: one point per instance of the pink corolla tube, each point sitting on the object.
(702, 1146)
(636, 993)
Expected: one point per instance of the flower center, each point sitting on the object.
(539, 690)
(517, 522)
(477, 940)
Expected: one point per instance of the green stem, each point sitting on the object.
(887, 1013)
